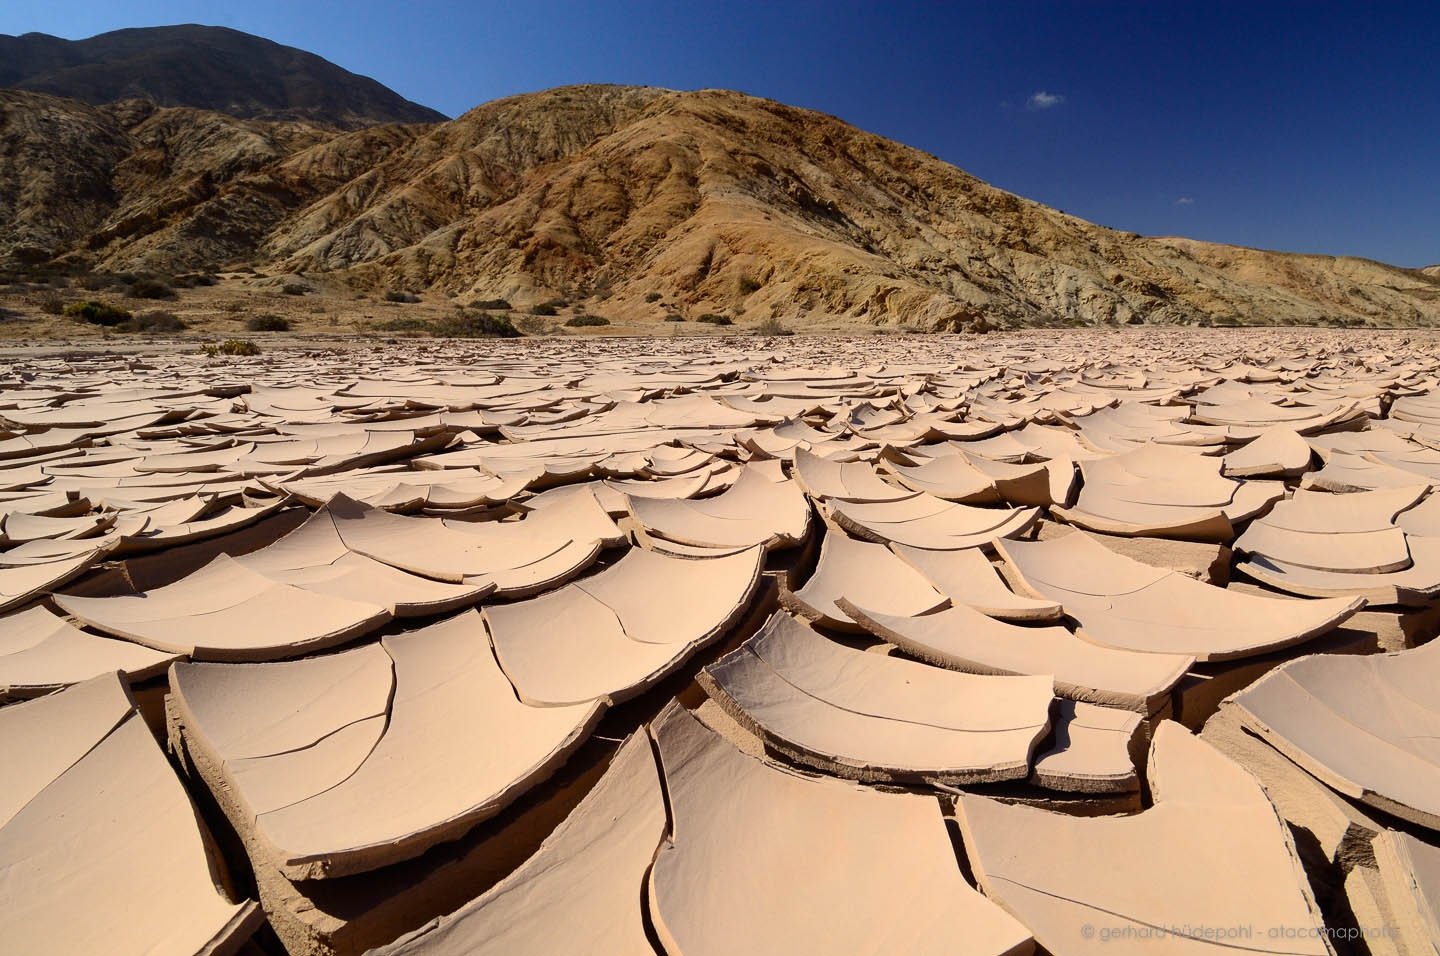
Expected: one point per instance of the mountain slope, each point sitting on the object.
(636, 201)
(211, 68)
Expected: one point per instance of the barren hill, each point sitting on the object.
(636, 201)
(211, 68)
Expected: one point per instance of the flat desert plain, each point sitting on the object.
(1068, 642)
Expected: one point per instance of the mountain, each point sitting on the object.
(210, 68)
(635, 201)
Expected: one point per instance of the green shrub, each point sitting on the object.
(268, 323)
(97, 313)
(231, 347)
(151, 288)
(749, 285)
(397, 296)
(406, 324)
(152, 322)
(653, 297)
(481, 326)
(710, 318)
(674, 317)
(586, 321)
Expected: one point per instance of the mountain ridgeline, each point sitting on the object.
(621, 196)
(210, 68)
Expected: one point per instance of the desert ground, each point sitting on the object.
(716, 641)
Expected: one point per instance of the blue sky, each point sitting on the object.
(1310, 127)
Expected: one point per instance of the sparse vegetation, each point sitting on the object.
(674, 317)
(710, 318)
(154, 322)
(748, 285)
(545, 308)
(239, 347)
(482, 326)
(491, 305)
(295, 288)
(534, 325)
(268, 323)
(584, 321)
(653, 297)
(394, 295)
(148, 287)
(96, 312)
(51, 304)
(772, 326)
(404, 324)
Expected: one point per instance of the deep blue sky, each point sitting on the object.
(1301, 126)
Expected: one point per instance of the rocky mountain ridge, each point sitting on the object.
(203, 67)
(639, 202)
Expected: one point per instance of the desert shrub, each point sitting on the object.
(1135, 320)
(395, 295)
(772, 326)
(491, 305)
(231, 347)
(710, 318)
(154, 321)
(674, 317)
(653, 297)
(749, 285)
(268, 323)
(544, 308)
(94, 282)
(97, 313)
(295, 288)
(192, 279)
(482, 326)
(534, 325)
(586, 321)
(148, 287)
(404, 324)
(52, 304)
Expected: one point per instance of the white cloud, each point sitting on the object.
(1185, 201)
(1042, 100)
